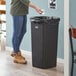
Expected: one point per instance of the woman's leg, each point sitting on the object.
(18, 33)
(23, 28)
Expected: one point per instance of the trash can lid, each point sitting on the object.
(42, 18)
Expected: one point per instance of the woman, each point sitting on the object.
(19, 11)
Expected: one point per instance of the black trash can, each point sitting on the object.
(44, 33)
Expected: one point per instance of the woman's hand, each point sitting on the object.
(38, 9)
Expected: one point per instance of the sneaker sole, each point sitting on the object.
(20, 62)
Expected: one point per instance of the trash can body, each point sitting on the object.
(44, 43)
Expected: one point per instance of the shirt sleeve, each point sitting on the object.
(25, 2)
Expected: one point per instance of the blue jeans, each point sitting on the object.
(19, 29)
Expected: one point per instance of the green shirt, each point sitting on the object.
(19, 7)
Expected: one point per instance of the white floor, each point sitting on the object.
(9, 68)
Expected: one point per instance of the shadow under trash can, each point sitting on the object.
(44, 33)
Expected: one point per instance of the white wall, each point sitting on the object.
(66, 38)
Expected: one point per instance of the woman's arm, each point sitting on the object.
(38, 9)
